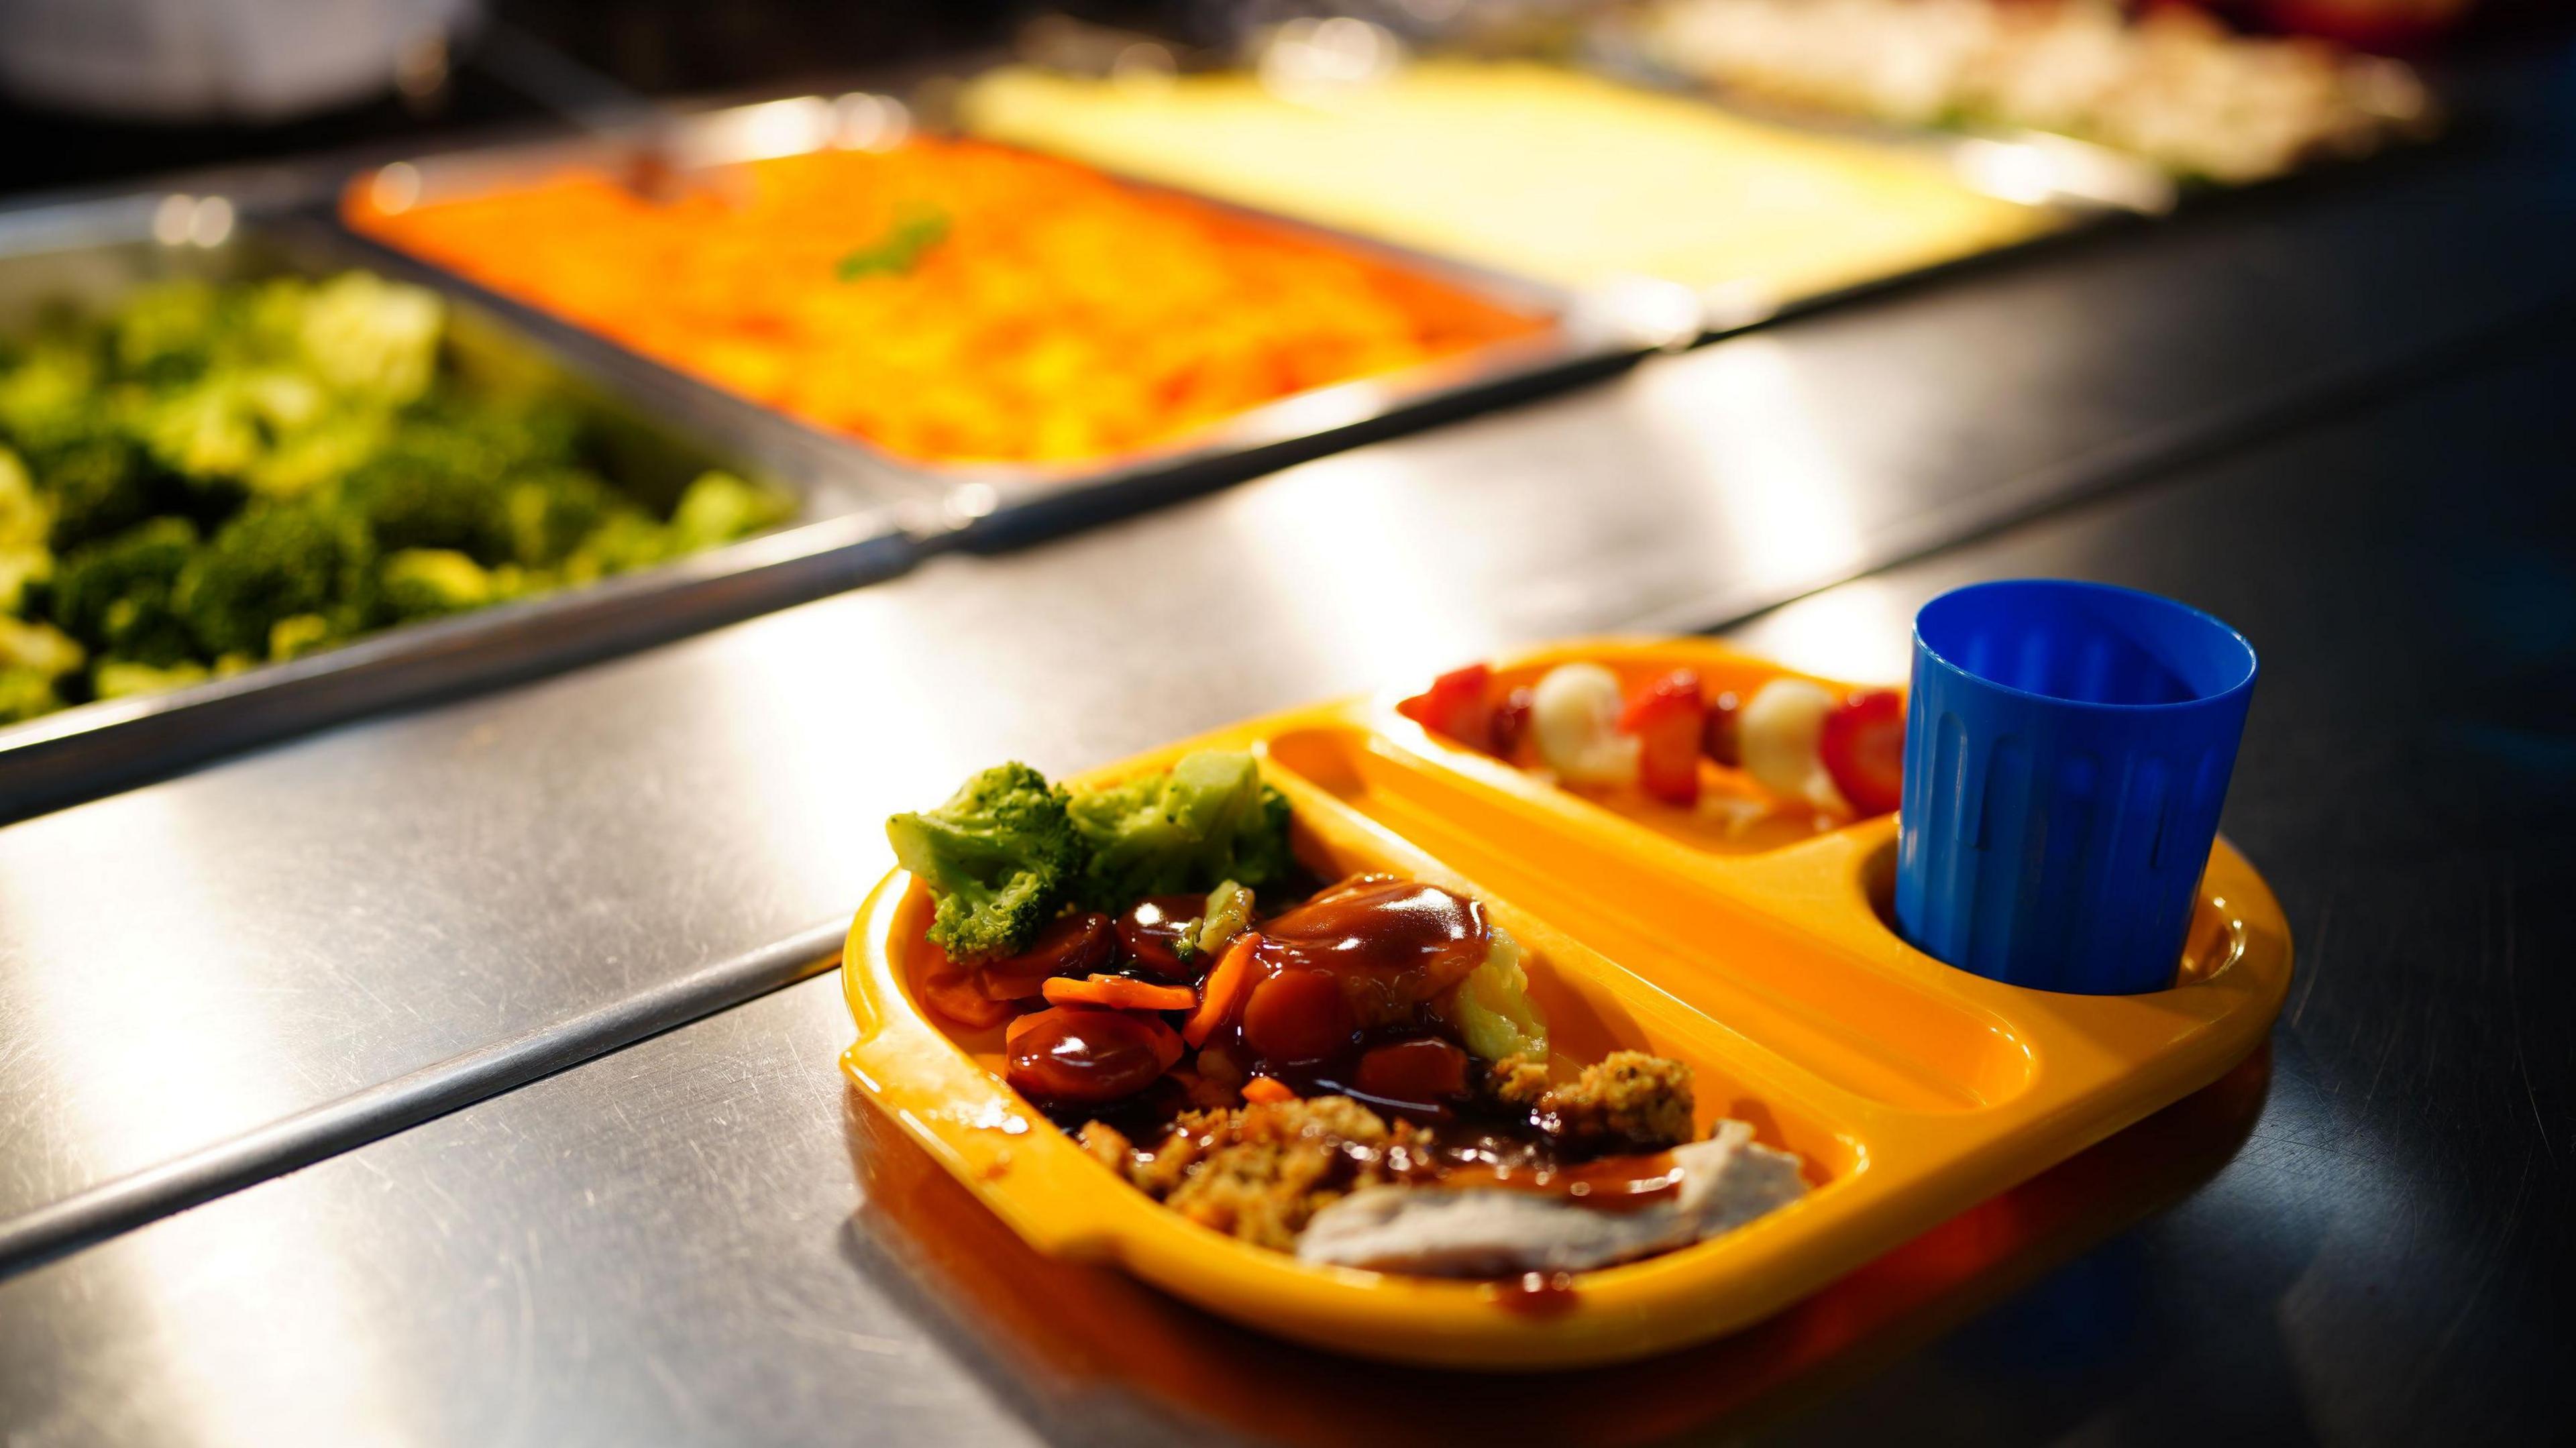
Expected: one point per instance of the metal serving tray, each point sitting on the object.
(1593, 333)
(849, 529)
(2080, 186)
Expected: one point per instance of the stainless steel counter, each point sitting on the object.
(2357, 1237)
(701, 1237)
(214, 955)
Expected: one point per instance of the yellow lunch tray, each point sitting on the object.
(1755, 950)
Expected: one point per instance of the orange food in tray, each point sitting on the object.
(953, 301)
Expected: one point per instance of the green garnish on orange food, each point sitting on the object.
(915, 231)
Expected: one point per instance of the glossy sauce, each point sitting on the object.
(1537, 1294)
(1149, 935)
(1069, 945)
(1084, 1055)
(1391, 944)
(1605, 1184)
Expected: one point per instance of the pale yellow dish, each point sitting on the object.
(1530, 169)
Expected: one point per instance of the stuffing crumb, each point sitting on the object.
(1630, 1102)
(1261, 1172)
(1258, 1172)
(1108, 1145)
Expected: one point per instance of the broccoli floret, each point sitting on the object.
(26, 519)
(273, 561)
(99, 483)
(26, 516)
(627, 541)
(299, 634)
(207, 432)
(25, 694)
(51, 399)
(280, 401)
(720, 507)
(120, 678)
(168, 333)
(546, 514)
(998, 856)
(420, 583)
(38, 647)
(368, 337)
(540, 432)
(1208, 820)
(432, 487)
(21, 571)
(331, 447)
(115, 594)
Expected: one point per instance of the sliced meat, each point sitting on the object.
(1727, 1180)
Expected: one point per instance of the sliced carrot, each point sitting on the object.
(1119, 993)
(1222, 993)
(1263, 1090)
(950, 989)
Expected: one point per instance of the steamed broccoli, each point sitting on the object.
(538, 432)
(296, 635)
(21, 570)
(1209, 819)
(206, 432)
(215, 475)
(25, 694)
(420, 583)
(626, 541)
(431, 487)
(115, 594)
(99, 482)
(32, 657)
(51, 399)
(545, 514)
(367, 337)
(26, 518)
(167, 333)
(999, 856)
(314, 455)
(272, 562)
(720, 507)
(120, 678)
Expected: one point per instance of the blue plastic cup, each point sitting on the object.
(2067, 747)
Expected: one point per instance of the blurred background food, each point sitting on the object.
(216, 475)
(1529, 168)
(2172, 84)
(951, 301)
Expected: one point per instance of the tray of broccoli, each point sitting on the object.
(248, 487)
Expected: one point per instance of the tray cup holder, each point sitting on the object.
(2214, 941)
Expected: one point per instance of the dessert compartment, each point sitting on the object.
(1814, 1003)
(1735, 816)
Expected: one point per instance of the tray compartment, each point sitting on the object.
(1821, 1008)
(1707, 831)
